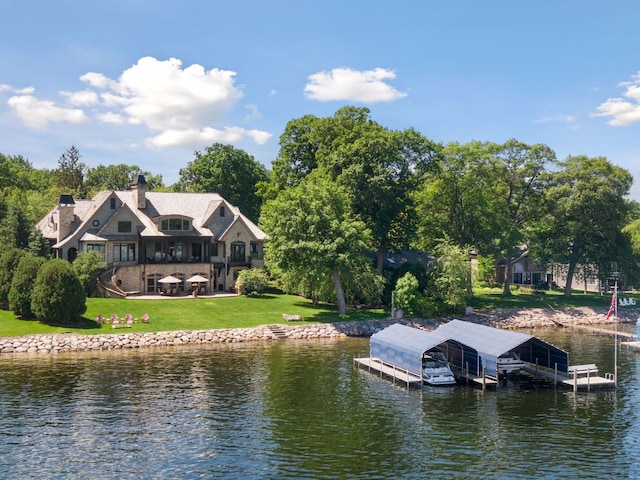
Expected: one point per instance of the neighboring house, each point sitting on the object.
(146, 236)
(527, 273)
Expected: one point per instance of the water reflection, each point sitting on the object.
(302, 410)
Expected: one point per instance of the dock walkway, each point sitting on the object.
(373, 364)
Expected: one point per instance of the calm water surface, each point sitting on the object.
(303, 410)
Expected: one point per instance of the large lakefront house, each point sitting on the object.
(146, 237)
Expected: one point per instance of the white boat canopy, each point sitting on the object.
(403, 346)
(489, 343)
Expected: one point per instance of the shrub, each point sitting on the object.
(408, 296)
(8, 263)
(253, 281)
(58, 296)
(22, 285)
(88, 266)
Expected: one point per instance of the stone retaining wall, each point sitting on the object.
(72, 342)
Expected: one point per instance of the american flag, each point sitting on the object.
(614, 304)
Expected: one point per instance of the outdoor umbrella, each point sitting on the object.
(197, 279)
(169, 279)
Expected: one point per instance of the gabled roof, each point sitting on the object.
(199, 208)
(494, 341)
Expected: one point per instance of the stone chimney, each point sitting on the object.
(66, 216)
(139, 186)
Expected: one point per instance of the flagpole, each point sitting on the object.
(615, 351)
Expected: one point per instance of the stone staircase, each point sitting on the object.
(277, 331)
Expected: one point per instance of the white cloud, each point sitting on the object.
(84, 97)
(206, 135)
(38, 113)
(5, 88)
(623, 111)
(345, 84)
(180, 105)
(111, 117)
(20, 91)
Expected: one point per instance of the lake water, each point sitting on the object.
(302, 410)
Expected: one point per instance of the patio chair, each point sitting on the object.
(114, 319)
(129, 319)
(145, 318)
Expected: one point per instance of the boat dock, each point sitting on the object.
(392, 371)
(578, 377)
(604, 331)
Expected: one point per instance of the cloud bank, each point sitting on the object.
(623, 110)
(179, 106)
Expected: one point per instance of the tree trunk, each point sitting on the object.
(507, 277)
(381, 254)
(570, 271)
(342, 304)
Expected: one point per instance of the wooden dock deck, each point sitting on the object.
(576, 382)
(375, 365)
(488, 381)
(604, 331)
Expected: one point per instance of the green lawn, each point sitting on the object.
(191, 314)
(492, 298)
(239, 312)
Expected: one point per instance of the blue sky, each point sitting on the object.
(148, 82)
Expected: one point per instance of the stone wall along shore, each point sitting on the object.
(509, 319)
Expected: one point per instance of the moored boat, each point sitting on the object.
(436, 370)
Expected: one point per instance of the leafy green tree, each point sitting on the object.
(451, 276)
(88, 266)
(38, 245)
(22, 285)
(231, 172)
(58, 296)
(377, 167)
(118, 177)
(9, 261)
(585, 214)
(70, 173)
(316, 245)
(252, 281)
(455, 200)
(408, 297)
(14, 228)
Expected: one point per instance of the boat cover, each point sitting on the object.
(403, 346)
(491, 342)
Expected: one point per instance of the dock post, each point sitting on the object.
(484, 379)
(555, 375)
(575, 380)
(467, 373)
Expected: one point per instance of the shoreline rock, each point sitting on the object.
(507, 319)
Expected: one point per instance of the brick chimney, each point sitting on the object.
(65, 216)
(139, 186)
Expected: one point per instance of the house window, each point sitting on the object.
(222, 213)
(112, 203)
(214, 249)
(124, 252)
(255, 250)
(196, 252)
(517, 277)
(98, 247)
(238, 252)
(175, 225)
(124, 227)
(174, 252)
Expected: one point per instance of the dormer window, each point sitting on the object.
(222, 211)
(175, 225)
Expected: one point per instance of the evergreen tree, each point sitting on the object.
(58, 296)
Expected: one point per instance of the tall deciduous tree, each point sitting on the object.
(377, 167)
(517, 171)
(316, 246)
(118, 177)
(585, 214)
(231, 172)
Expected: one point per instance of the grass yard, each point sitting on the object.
(187, 313)
(491, 299)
